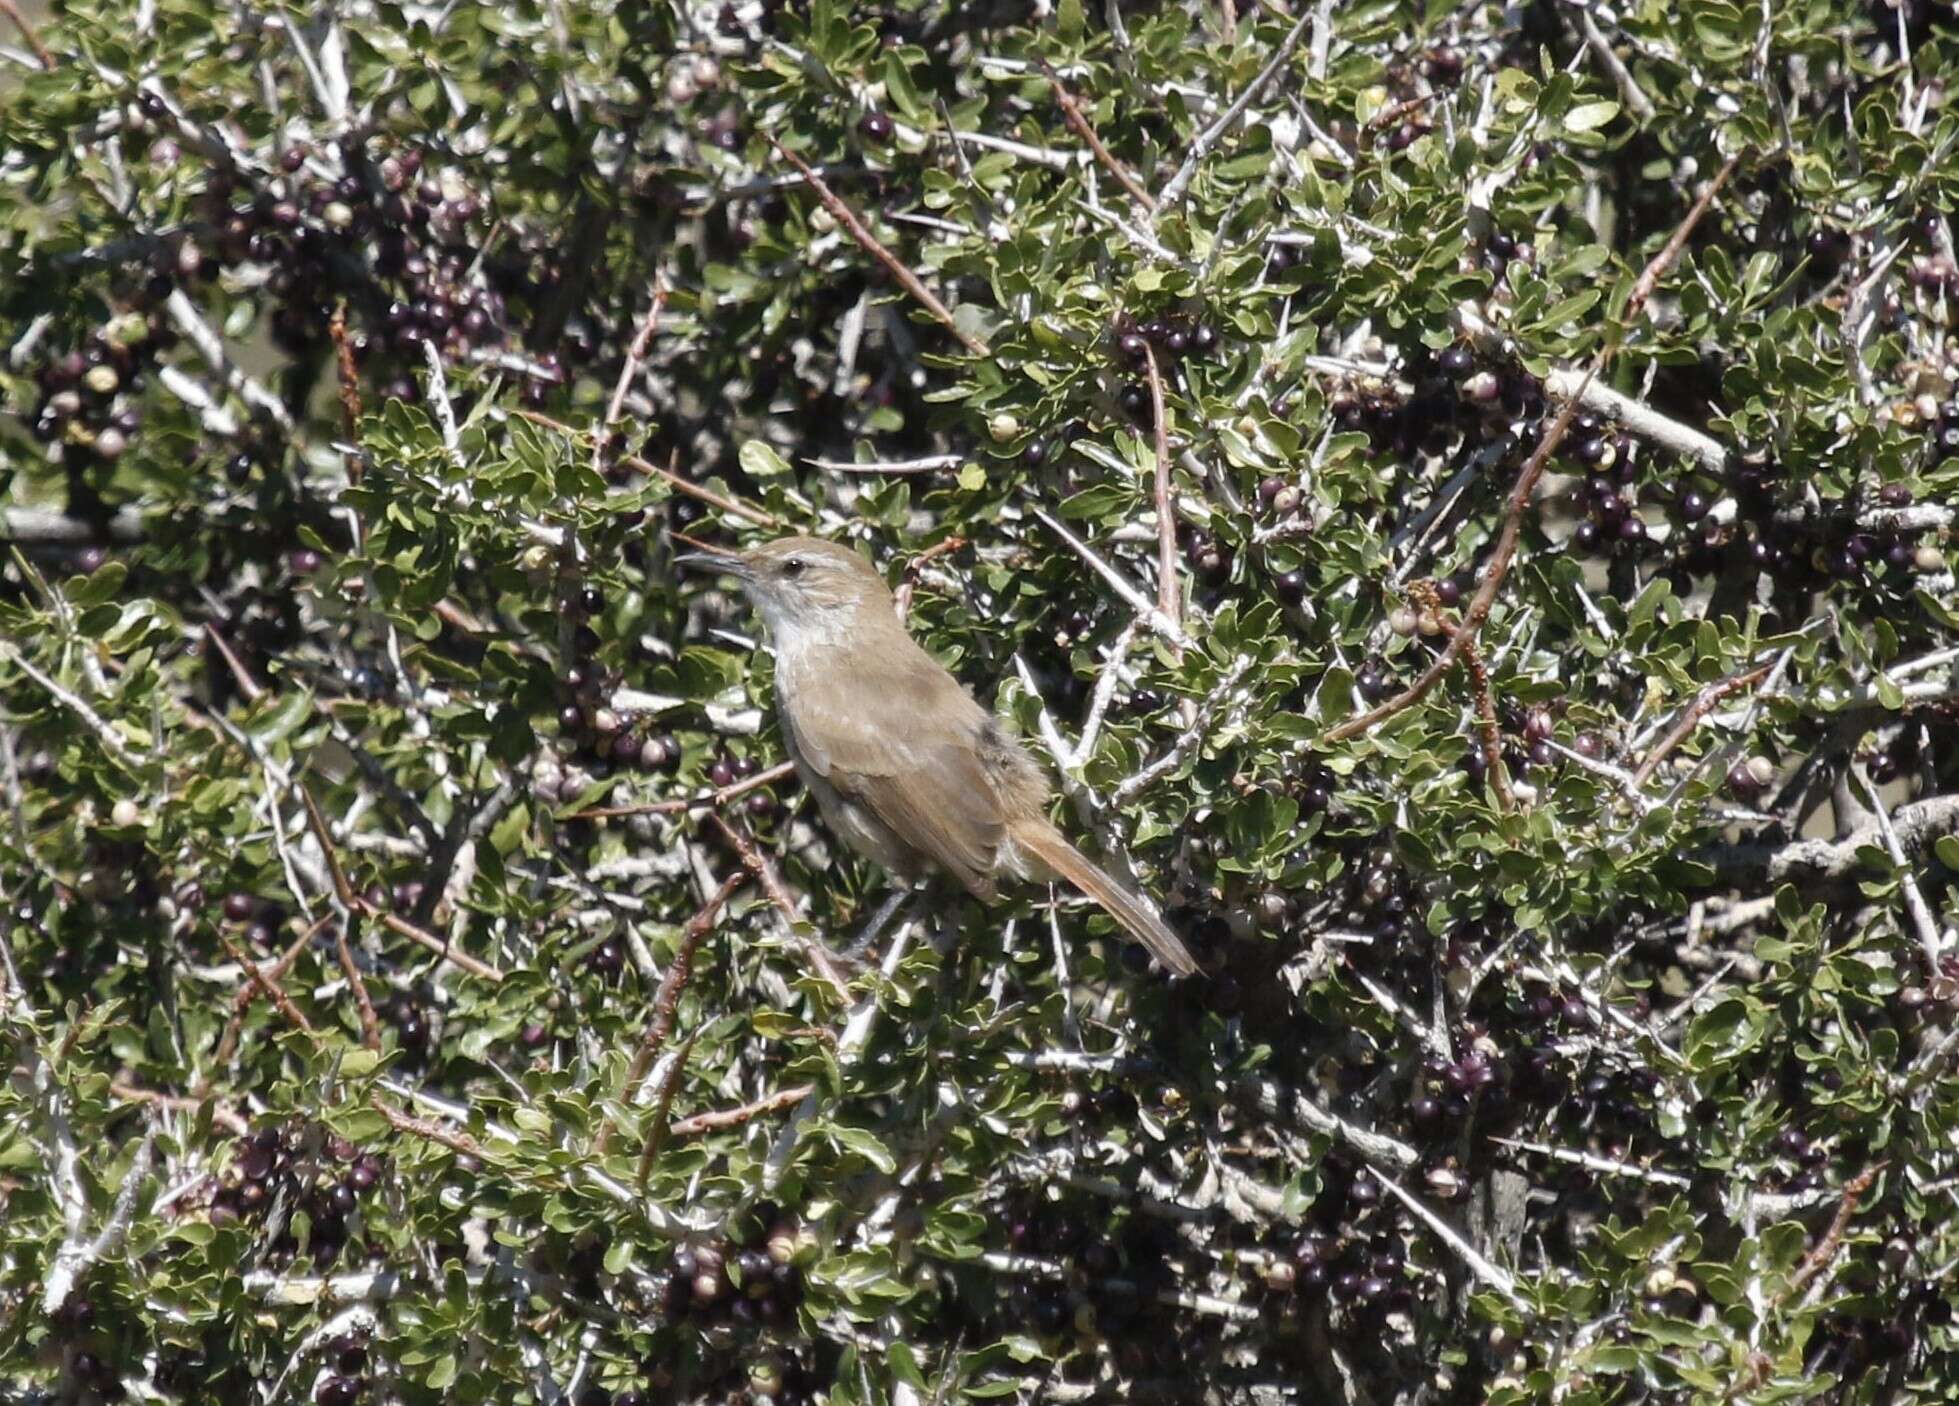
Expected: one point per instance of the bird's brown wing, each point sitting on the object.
(903, 745)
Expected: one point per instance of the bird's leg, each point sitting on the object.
(872, 930)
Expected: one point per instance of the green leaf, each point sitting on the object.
(760, 460)
(865, 1144)
(903, 1363)
(1589, 117)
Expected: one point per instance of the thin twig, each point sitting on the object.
(1173, 192)
(1635, 97)
(201, 335)
(1826, 1247)
(1657, 266)
(758, 865)
(1170, 630)
(12, 11)
(1921, 913)
(111, 741)
(1592, 1162)
(358, 903)
(180, 1103)
(635, 354)
(1479, 686)
(370, 1026)
(674, 480)
(1506, 545)
(870, 244)
(734, 1117)
(248, 993)
(656, 1125)
(399, 925)
(349, 386)
(931, 463)
(343, 888)
(782, 771)
(267, 983)
(1169, 595)
(1224, 694)
(667, 1001)
(1105, 688)
(1486, 591)
(850, 1045)
(461, 1143)
(1498, 1278)
(1078, 121)
(1703, 704)
(247, 685)
(916, 568)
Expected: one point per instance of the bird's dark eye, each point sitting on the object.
(794, 566)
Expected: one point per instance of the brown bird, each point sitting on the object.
(905, 766)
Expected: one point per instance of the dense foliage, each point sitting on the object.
(417, 986)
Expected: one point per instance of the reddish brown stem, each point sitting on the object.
(461, 1143)
(757, 864)
(656, 1125)
(917, 566)
(454, 955)
(242, 1002)
(753, 860)
(266, 983)
(247, 685)
(370, 1026)
(674, 480)
(350, 385)
(358, 903)
(734, 1117)
(316, 822)
(181, 1103)
(1423, 596)
(1078, 122)
(635, 354)
(871, 245)
(1826, 1248)
(1479, 683)
(1485, 597)
(1656, 267)
(27, 31)
(666, 1002)
(1703, 704)
(1392, 114)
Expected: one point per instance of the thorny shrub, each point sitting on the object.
(415, 977)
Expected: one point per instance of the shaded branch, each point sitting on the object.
(871, 245)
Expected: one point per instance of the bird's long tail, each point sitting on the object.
(1043, 842)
